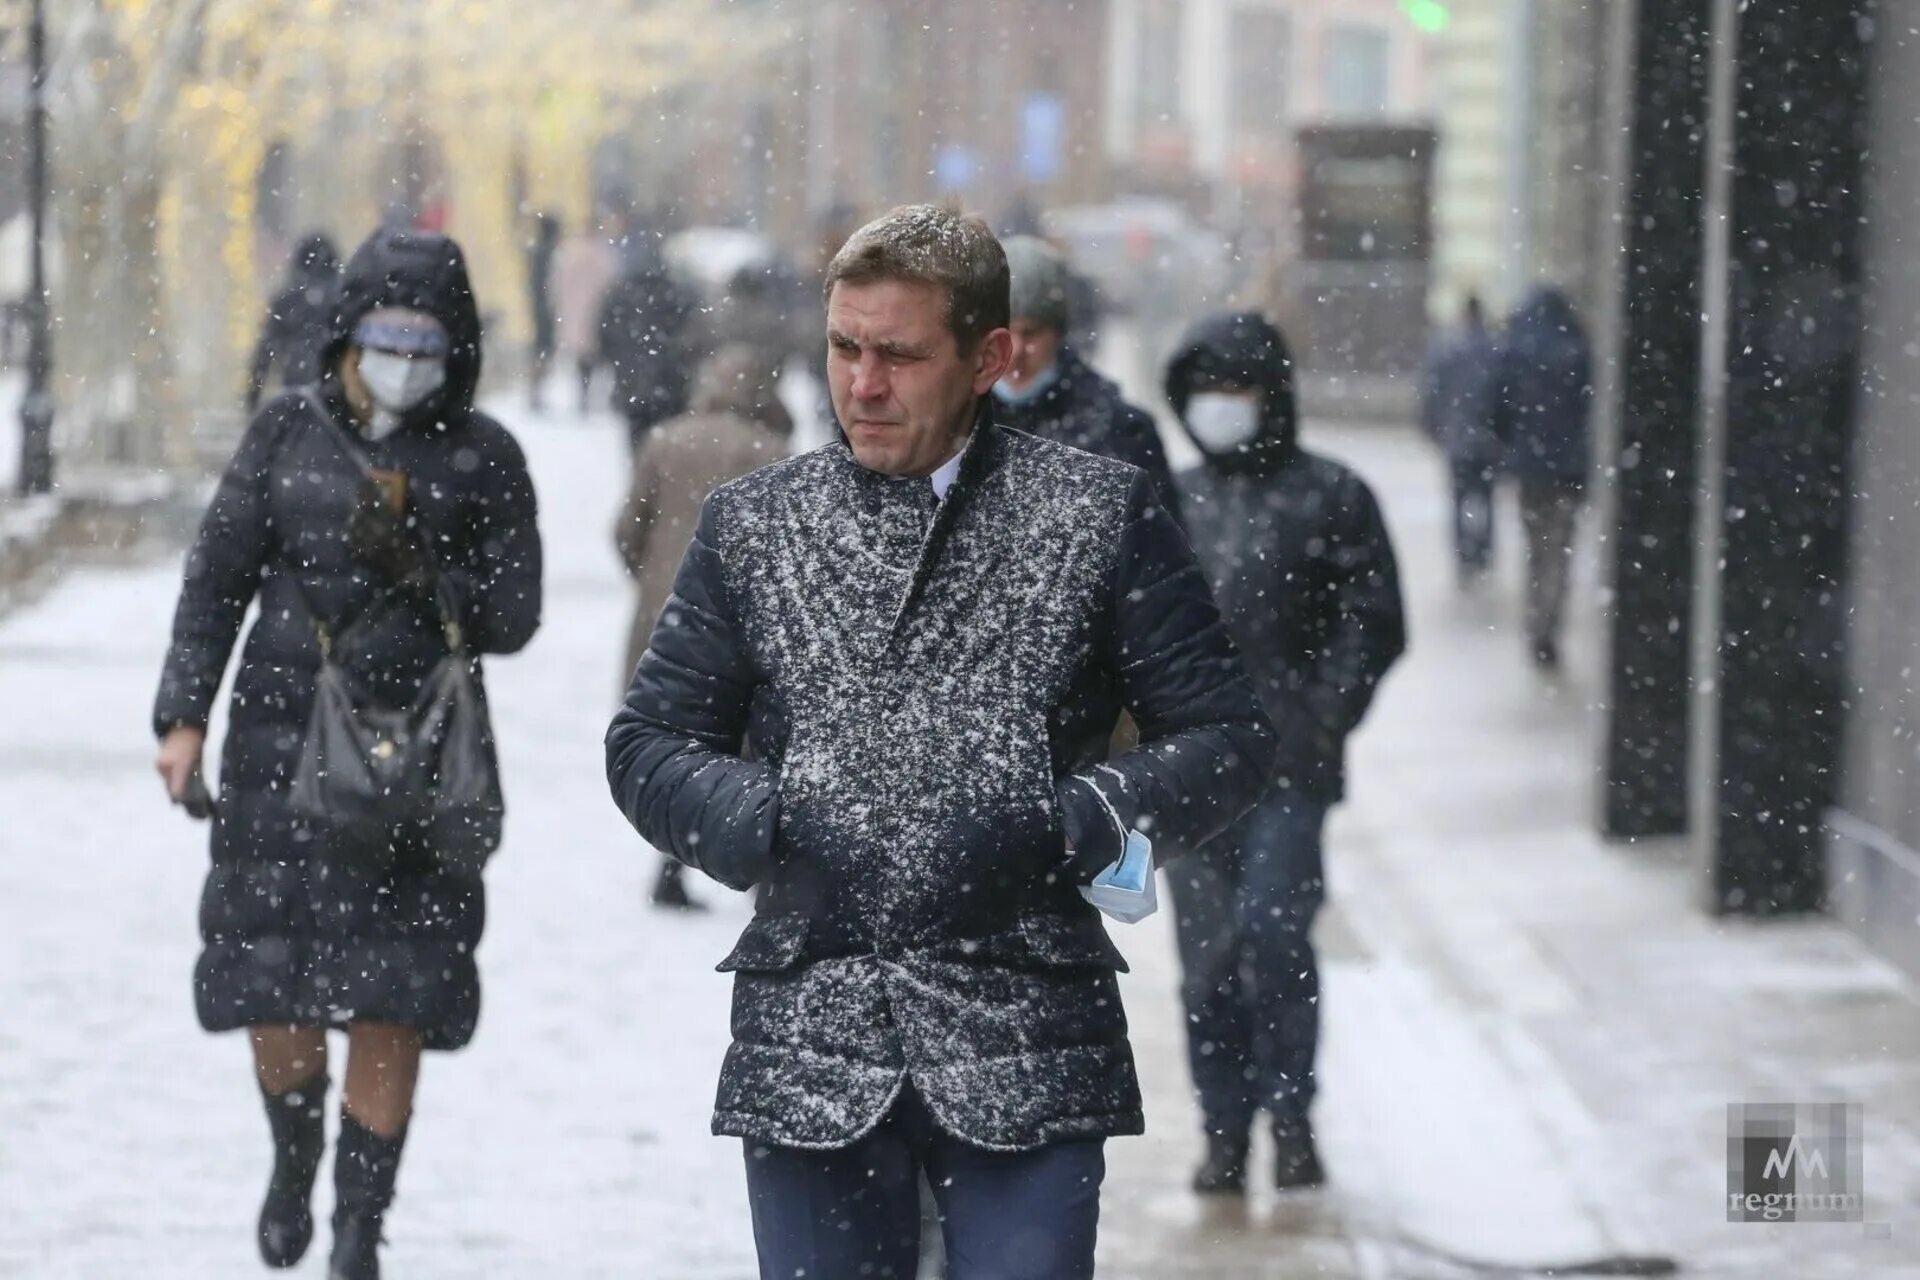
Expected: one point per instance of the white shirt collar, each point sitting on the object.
(943, 478)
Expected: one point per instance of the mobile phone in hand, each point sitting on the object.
(196, 799)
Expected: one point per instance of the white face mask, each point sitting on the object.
(1223, 420)
(399, 383)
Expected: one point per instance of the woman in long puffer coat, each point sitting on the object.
(300, 937)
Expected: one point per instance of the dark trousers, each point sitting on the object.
(1472, 513)
(1548, 510)
(855, 1211)
(583, 371)
(1244, 906)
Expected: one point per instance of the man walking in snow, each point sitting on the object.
(1459, 394)
(1304, 571)
(925, 632)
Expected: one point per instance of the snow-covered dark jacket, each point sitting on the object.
(1546, 391)
(1298, 556)
(291, 937)
(1459, 393)
(927, 691)
(1086, 411)
(299, 322)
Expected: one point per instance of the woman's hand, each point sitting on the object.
(179, 764)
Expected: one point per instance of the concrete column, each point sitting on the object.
(1782, 347)
(1646, 464)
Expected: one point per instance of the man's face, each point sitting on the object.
(902, 388)
(1035, 349)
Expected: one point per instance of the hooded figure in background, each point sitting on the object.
(299, 321)
(1458, 393)
(645, 337)
(1051, 392)
(1301, 565)
(355, 508)
(736, 424)
(1545, 399)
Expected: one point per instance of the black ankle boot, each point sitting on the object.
(1296, 1164)
(297, 1119)
(1223, 1171)
(364, 1168)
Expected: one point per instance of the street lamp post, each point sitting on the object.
(36, 407)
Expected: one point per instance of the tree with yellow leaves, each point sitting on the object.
(164, 112)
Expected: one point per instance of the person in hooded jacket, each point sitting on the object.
(1458, 394)
(736, 423)
(1051, 392)
(646, 338)
(1301, 564)
(299, 321)
(1545, 398)
(301, 936)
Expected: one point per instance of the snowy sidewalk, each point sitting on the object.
(1531, 1037)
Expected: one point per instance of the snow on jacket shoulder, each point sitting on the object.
(927, 689)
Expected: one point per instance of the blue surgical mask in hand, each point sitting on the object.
(1126, 890)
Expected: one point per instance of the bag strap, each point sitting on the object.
(445, 605)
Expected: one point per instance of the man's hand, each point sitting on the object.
(179, 766)
(1096, 834)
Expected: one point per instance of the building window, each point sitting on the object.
(1260, 56)
(1357, 71)
(1157, 68)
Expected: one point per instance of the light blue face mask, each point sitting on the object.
(1034, 390)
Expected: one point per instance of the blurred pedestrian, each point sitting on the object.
(759, 309)
(1458, 398)
(299, 321)
(736, 423)
(585, 265)
(540, 316)
(1545, 397)
(646, 337)
(1049, 391)
(387, 528)
(1302, 567)
(925, 632)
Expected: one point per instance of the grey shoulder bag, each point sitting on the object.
(368, 771)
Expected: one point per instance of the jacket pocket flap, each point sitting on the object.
(1072, 941)
(769, 944)
(1047, 942)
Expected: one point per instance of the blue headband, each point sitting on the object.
(400, 338)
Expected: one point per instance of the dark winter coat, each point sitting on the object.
(645, 338)
(1459, 394)
(917, 683)
(299, 321)
(1086, 411)
(1546, 392)
(292, 934)
(1299, 559)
